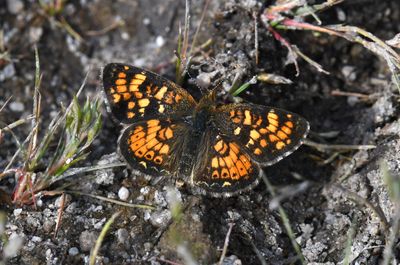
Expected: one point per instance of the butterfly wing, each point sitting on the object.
(222, 167)
(134, 94)
(154, 146)
(266, 134)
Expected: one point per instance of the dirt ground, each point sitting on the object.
(323, 193)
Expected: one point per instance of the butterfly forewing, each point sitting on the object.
(134, 94)
(266, 134)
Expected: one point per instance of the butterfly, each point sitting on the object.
(218, 150)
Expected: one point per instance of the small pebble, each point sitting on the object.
(123, 194)
(147, 246)
(73, 251)
(122, 235)
(161, 218)
(35, 34)
(15, 6)
(146, 21)
(17, 106)
(87, 240)
(36, 239)
(17, 212)
(7, 72)
(160, 41)
(341, 15)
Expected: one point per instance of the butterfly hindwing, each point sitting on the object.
(153, 146)
(222, 168)
(134, 94)
(267, 134)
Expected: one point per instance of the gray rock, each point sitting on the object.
(15, 6)
(123, 236)
(87, 239)
(73, 251)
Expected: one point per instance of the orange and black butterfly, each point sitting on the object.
(216, 150)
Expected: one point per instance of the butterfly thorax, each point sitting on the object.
(203, 112)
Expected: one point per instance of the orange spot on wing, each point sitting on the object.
(169, 97)
(149, 155)
(153, 123)
(234, 173)
(133, 88)
(236, 120)
(116, 98)
(150, 144)
(169, 133)
(218, 146)
(247, 117)
(286, 130)
(282, 135)
(273, 116)
(131, 105)
(120, 82)
(138, 129)
(221, 162)
(160, 93)
(259, 121)
(126, 96)
(257, 151)
(224, 148)
(214, 162)
(136, 82)
(280, 145)
(130, 114)
(164, 149)
(121, 89)
(273, 122)
(158, 160)
(263, 131)
(138, 94)
(161, 134)
(178, 98)
(137, 136)
(158, 147)
(140, 76)
(215, 174)
(273, 138)
(139, 143)
(272, 128)
(121, 75)
(289, 124)
(153, 129)
(254, 134)
(126, 67)
(263, 143)
(225, 173)
(141, 151)
(144, 102)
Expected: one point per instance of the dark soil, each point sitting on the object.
(321, 213)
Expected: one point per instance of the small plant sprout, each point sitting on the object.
(72, 132)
